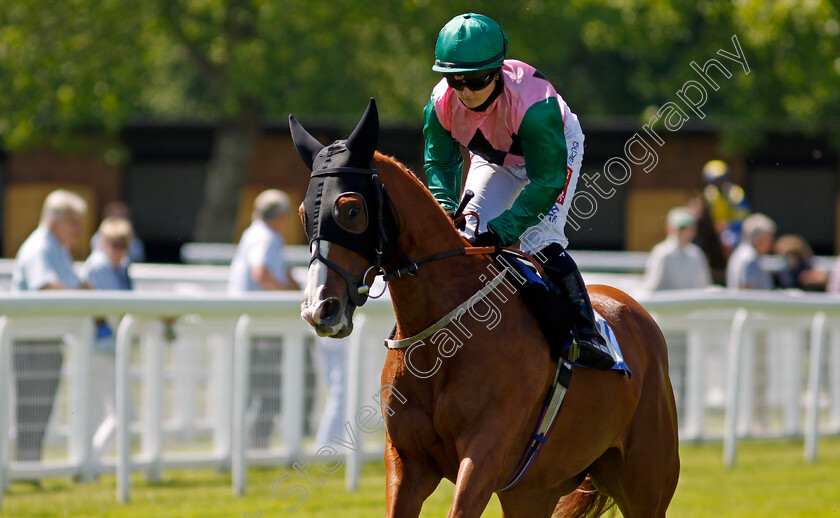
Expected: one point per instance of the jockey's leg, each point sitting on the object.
(547, 242)
(495, 189)
(564, 273)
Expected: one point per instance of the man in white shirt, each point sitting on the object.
(43, 262)
(743, 271)
(258, 265)
(677, 263)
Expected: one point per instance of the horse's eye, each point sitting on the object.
(350, 212)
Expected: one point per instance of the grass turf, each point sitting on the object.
(769, 480)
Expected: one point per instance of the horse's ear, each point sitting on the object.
(362, 142)
(307, 146)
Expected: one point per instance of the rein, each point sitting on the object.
(446, 319)
(471, 250)
(415, 266)
(468, 250)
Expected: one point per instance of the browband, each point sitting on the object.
(338, 170)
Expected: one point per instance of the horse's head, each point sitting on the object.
(350, 224)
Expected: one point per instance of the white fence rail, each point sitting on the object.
(178, 387)
(759, 358)
(745, 365)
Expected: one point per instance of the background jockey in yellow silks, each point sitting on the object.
(727, 203)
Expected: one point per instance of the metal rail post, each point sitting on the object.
(733, 387)
(814, 383)
(239, 445)
(125, 331)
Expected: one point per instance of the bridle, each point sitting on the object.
(376, 243)
(344, 168)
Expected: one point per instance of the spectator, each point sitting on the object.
(258, 265)
(726, 201)
(258, 262)
(744, 272)
(106, 269)
(43, 262)
(107, 266)
(744, 269)
(136, 249)
(677, 263)
(708, 239)
(798, 271)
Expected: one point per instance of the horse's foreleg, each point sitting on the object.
(477, 474)
(408, 483)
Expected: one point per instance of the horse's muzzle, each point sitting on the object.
(326, 317)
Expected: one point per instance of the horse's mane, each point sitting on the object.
(393, 162)
(397, 169)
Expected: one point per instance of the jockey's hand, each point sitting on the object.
(488, 238)
(460, 225)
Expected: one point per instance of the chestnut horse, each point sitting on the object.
(467, 411)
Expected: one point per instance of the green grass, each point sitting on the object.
(769, 480)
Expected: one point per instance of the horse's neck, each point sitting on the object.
(440, 285)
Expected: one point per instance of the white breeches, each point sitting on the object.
(496, 187)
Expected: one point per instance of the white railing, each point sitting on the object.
(750, 365)
(749, 349)
(206, 266)
(151, 370)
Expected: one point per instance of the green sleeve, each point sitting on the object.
(442, 160)
(544, 145)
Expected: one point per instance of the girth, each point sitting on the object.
(548, 417)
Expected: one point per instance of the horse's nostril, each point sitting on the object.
(329, 309)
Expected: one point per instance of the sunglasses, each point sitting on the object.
(119, 245)
(473, 82)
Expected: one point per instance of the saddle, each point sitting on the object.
(553, 312)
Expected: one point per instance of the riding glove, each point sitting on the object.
(488, 238)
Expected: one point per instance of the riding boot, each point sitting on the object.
(593, 350)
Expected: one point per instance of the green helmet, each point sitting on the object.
(470, 42)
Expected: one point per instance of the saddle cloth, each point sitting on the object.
(612, 342)
(552, 310)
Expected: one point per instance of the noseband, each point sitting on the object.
(376, 243)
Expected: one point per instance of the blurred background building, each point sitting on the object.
(792, 178)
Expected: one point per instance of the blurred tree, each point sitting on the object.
(61, 70)
(637, 53)
(97, 63)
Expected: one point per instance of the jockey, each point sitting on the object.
(728, 205)
(525, 148)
